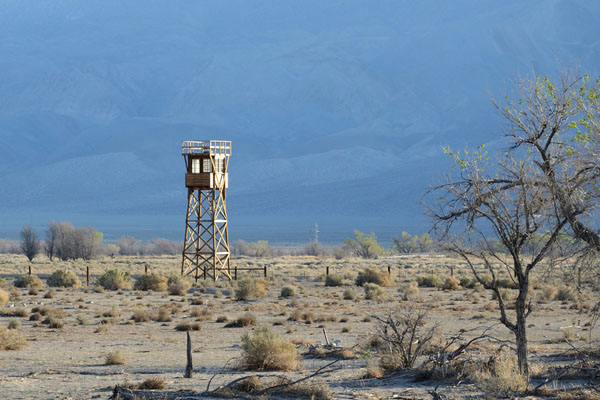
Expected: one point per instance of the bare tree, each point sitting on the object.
(526, 198)
(51, 243)
(129, 246)
(30, 244)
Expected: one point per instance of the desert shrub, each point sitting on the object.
(140, 315)
(188, 326)
(14, 324)
(11, 339)
(28, 281)
(371, 275)
(251, 289)
(411, 292)
(565, 294)
(162, 315)
(15, 312)
(154, 383)
(153, 282)
(501, 377)
(373, 291)
(243, 321)
(4, 297)
(61, 278)
(115, 357)
(334, 280)
(506, 283)
(201, 314)
(222, 318)
(429, 281)
(50, 294)
(54, 321)
(288, 291)
(467, 282)
(403, 337)
(549, 293)
(114, 312)
(178, 286)
(349, 294)
(451, 283)
(114, 279)
(264, 349)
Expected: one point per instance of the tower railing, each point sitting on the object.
(212, 147)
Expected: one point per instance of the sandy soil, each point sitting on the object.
(70, 362)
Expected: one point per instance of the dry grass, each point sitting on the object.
(244, 321)
(4, 297)
(11, 339)
(154, 383)
(251, 289)
(115, 357)
(188, 326)
(503, 377)
(266, 350)
(370, 275)
(152, 282)
(373, 291)
(178, 286)
(62, 278)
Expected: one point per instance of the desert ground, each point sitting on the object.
(69, 359)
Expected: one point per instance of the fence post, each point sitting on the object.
(265, 268)
(145, 269)
(327, 271)
(389, 270)
(87, 275)
(235, 272)
(29, 269)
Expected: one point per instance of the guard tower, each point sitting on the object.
(206, 246)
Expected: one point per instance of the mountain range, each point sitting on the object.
(337, 110)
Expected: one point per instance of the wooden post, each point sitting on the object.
(265, 268)
(29, 269)
(326, 338)
(189, 367)
(87, 275)
(145, 269)
(452, 272)
(235, 272)
(327, 271)
(389, 270)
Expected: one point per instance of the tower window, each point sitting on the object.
(206, 165)
(195, 166)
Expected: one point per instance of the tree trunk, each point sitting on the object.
(521, 331)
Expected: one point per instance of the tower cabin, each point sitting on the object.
(206, 164)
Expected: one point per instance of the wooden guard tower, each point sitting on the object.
(206, 246)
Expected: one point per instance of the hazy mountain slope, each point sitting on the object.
(337, 110)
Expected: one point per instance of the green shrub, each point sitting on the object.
(429, 281)
(373, 291)
(334, 280)
(62, 278)
(251, 289)
(265, 350)
(288, 291)
(467, 282)
(178, 285)
(371, 275)
(349, 294)
(153, 282)
(114, 279)
(28, 281)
